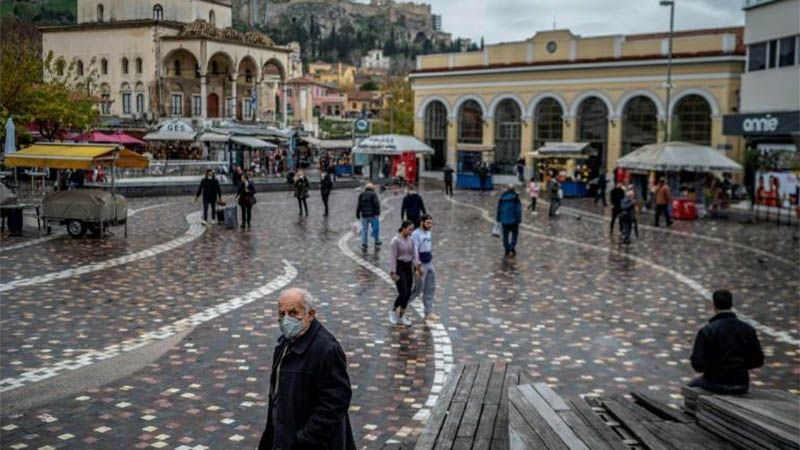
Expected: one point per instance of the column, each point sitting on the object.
(716, 132)
(614, 142)
(526, 143)
(234, 81)
(259, 106)
(284, 104)
(203, 96)
(568, 130)
(452, 138)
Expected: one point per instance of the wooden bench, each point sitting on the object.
(472, 409)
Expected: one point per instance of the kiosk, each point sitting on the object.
(469, 157)
(568, 160)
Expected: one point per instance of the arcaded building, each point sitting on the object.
(153, 59)
(608, 91)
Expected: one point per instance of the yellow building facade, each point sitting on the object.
(608, 91)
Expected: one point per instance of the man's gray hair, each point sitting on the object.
(309, 302)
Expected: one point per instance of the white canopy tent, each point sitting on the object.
(391, 144)
(252, 142)
(576, 150)
(678, 157)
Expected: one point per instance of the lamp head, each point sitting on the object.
(667, 2)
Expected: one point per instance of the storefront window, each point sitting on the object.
(436, 133)
(787, 51)
(593, 128)
(549, 122)
(507, 137)
(639, 124)
(470, 123)
(691, 121)
(757, 58)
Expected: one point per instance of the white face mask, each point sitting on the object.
(291, 327)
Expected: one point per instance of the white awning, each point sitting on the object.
(329, 144)
(252, 142)
(574, 150)
(678, 156)
(392, 144)
(213, 137)
(164, 135)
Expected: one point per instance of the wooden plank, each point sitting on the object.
(633, 424)
(535, 421)
(779, 411)
(586, 434)
(462, 443)
(438, 414)
(465, 384)
(520, 435)
(484, 435)
(552, 399)
(495, 389)
(731, 433)
(596, 423)
(500, 433)
(447, 435)
(661, 409)
(770, 430)
(642, 414)
(538, 405)
(472, 413)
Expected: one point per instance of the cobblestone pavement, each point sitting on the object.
(573, 309)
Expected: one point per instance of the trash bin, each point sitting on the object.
(13, 219)
(684, 209)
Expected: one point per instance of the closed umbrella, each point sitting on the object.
(11, 138)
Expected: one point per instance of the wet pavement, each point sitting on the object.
(574, 309)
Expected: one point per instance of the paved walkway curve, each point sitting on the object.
(196, 229)
(780, 336)
(166, 331)
(594, 217)
(442, 345)
(131, 213)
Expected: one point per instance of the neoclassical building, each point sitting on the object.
(174, 58)
(608, 91)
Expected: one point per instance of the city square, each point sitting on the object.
(582, 235)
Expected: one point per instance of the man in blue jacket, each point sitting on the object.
(509, 215)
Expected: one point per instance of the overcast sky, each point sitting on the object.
(514, 20)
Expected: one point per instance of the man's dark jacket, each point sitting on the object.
(210, 189)
(326, 186)
(448, 175)
(725, 349)
(617, 194)
(313, 397)
(509, 209)
(413, 207)
(368, 204)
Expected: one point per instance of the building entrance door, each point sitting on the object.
(213, 105)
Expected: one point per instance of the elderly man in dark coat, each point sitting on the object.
(309, 388)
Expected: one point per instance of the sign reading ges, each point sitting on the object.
(775, 123)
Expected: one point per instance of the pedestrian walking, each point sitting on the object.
(423, 247)
(309, 389)
(301, 186)
(601, 189)
(402, 262)
(617, 195)
(509, 215)
(413, 207)
(554, 190)
(247, 198)
(325, 188)
(533, 194)
(521, 170)
(663, 200)
(483, 176)
(212, 193)
(236, 177)
(627, 216)
(368, 211)
(725, 350)
(448, 180)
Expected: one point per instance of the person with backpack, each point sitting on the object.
(368, 210)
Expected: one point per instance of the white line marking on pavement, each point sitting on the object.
(594, 217)
(131, 213)
(179, 326)
(781, 336)
(196, 229)
(442, 345)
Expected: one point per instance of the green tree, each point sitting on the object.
(20, 69)
(400, 103)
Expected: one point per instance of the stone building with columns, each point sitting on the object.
(608, 91)
(153, 59)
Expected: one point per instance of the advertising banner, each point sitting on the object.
(778, 189)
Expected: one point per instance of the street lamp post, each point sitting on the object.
(668, 85)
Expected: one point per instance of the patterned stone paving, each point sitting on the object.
(581, 319)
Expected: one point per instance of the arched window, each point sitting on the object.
(100, 12)
(60, 66)
(549, 122)
(177, 67)
(79, 67)
(139, 66)
(248, 76)
(214, 68)
(140, 103)
(639, 124)
(691, 120)
(436, 133)
(593, 128)
(212, 18)
(104, 66)
(470, 123)
(125, 65)
(507, 136)
(125, 91)
(158, 12)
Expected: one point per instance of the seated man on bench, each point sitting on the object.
(724, 350)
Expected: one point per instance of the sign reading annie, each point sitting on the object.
(774, 123)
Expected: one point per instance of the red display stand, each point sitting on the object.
(683, 209)
(409, 160)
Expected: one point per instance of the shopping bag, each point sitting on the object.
(355, 227)
(560, 193)
(496, 229)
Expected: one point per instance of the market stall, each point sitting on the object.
(398, 150)
(675, 158)
(337, 150)
(568, 160)
(469, 163)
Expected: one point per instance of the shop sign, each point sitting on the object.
(775, 123)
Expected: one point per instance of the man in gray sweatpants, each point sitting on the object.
(423, 246)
